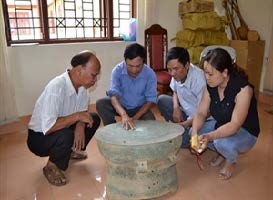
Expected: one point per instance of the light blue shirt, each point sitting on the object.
(133, 92)
(190, 92)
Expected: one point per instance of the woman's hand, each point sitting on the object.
(204, 140)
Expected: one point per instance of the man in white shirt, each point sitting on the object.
(61, 126)
(187, 84)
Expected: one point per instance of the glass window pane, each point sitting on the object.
(77, 18)
(125, 1)
(52, 32)
(69, 5)
(116, 32)
(80, 32)
(116, 22)
(124, 15)
(96, 8)
(14, 34)
(69, 14)
(124, 8)
(38, 33)
(24, 16)
(71, 33)
(70, 23)
(87, 6)
(88, 14)
(66, 19)
(61, 32)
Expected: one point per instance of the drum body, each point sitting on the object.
(141, 163)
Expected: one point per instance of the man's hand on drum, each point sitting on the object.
(127, 122)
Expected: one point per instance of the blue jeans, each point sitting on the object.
(230, 146)
(165, 106)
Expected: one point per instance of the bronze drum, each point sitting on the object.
(141, 163)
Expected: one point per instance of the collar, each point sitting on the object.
(70, 88)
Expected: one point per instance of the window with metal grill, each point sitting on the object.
(60, 21)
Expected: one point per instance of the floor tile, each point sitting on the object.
(21, 176)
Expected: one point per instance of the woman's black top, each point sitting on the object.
(222, 110)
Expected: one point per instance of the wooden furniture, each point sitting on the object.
(250, 55)
(156, 45)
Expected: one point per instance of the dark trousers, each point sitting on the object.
(107, 112)
(58, 145)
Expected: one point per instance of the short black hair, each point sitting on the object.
(134, 50)
(179, 53)
(81, 58)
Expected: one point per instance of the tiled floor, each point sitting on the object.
(21, 176)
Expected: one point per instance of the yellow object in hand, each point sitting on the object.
(197, 145)
(194, 142)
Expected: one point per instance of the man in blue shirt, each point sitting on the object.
(188, 82)
(132, 92)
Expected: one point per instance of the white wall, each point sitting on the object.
(161, 12)
(34, 66)
(169, 18)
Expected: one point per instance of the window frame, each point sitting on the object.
(45, 29)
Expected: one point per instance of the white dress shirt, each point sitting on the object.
(58, 99)
(190, 92)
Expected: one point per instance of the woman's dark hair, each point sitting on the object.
(134, 50)
(221, 60)
(179, 53)
(81, 58)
